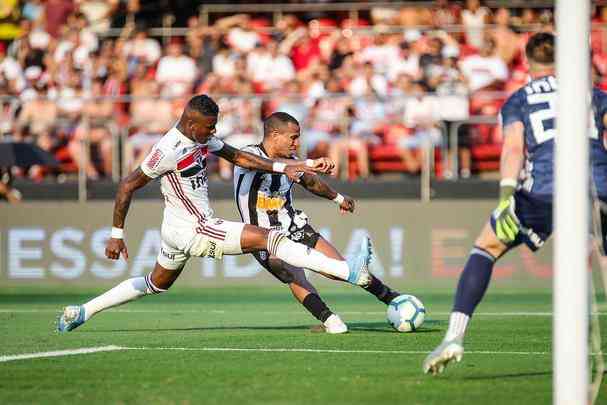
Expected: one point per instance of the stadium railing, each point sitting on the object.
(121, 131)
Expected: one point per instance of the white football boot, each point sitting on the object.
(448, 351)
(334, 325)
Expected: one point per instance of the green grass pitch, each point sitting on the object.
(179, 350)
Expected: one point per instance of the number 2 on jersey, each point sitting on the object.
(542, 118)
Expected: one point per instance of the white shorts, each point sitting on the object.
(177, 240)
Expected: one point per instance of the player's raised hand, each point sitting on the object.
(294, 172)
(347, 205)
(322, 165)
(114, 248)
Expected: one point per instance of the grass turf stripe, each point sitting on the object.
(220, 311)
(58, 353)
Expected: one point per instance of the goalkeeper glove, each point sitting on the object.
(507, 225)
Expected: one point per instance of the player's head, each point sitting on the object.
(199, 118)
(540, 52)
(281, 134)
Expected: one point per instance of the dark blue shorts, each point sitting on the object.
(535, 217)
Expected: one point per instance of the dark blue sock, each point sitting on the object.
(474, 281)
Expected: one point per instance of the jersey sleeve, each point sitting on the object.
(511, 111)
(214, 144)
(601, 105)
(159, 161)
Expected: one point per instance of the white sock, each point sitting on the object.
(458, 322)
(126, 291)
(299, 255)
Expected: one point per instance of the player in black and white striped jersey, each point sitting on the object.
(265, 199)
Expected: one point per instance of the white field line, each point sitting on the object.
(58, 353)
(219, 311)
(241, 349)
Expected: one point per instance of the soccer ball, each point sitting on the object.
(406, 313)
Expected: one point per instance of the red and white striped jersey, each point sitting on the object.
(181, 164)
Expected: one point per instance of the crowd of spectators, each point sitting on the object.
(395, 78)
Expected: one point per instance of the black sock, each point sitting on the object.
(381, 291)
(474, 281)
(317, 307)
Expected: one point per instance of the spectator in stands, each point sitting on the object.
(94, 128)
(445, 13)
(224, 60)
(176, 72)
(203, 45)
(422, 117)
(383, 53)
(241, 36)
(507, 45)
(97, 13)
(485, 72)
(366, 116)
(11, 72)
(142, 48)
(32, 9)
(326, 121)
(474, 19)
(407, 63)
(367, 81)
(268, 68)
(239, 124)
(452, 91)
(431, 60)
(341, 50)
(37, 117)
(303, 49)
(56, 13)
(151, 116)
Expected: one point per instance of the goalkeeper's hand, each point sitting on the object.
(507, 225)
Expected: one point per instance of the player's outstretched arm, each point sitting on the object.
(511, 163)
(134, 181)
(292, 168)
(314, 184)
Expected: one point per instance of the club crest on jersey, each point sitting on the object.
(192, 163)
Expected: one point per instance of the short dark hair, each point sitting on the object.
(203, 104)
(276, 120)
(540, 48)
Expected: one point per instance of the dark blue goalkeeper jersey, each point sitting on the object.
(535, 106)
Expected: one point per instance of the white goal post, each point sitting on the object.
(570, 293)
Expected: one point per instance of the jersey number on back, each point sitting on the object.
(545, 117)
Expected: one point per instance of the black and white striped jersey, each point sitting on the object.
(263, 199)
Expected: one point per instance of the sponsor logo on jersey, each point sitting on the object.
(192, 163)
(155, 159)
(267, 203)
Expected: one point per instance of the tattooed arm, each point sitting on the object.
(314, 184)
(126, 188)
(292, 168)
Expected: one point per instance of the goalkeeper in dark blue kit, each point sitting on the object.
(524, 211)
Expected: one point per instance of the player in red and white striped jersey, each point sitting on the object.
(188, 227)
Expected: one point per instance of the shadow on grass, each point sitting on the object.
(354, 327)
(512, 375)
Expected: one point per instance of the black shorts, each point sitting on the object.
(306, 236)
